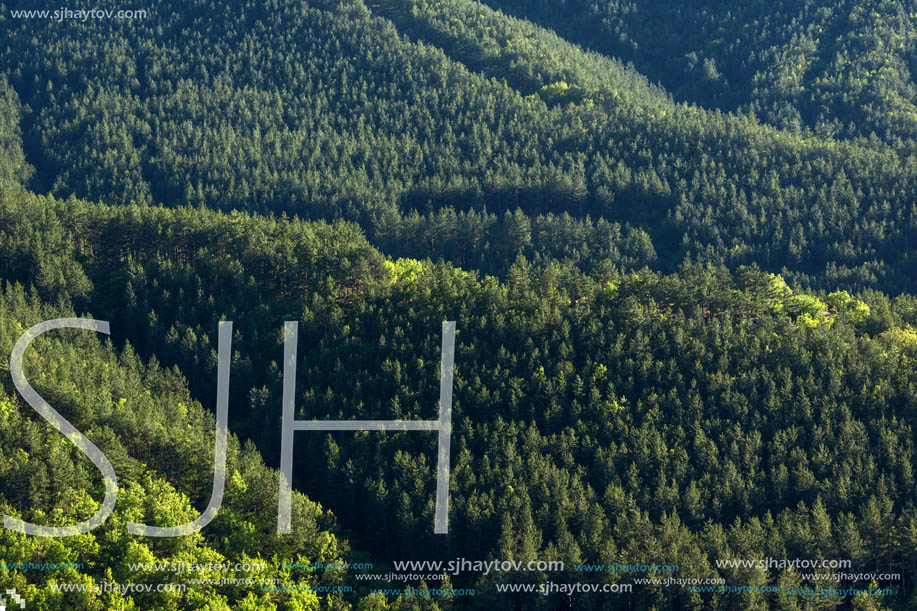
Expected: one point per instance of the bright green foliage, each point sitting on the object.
(596, 417)
(405, 272)
(559, 92)
(843, 304)
(634, 381)
(161, 460)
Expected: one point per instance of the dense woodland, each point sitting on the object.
(838, 69)
(328, 110)
(600, 417)
(686, 329)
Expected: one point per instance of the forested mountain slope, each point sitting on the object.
(160, 442)
(843, 69)
(324, 110)
(633, 382)
(158, 437)
(597, 418)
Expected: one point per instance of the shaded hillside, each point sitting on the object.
(841, 69)
(341, 116)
